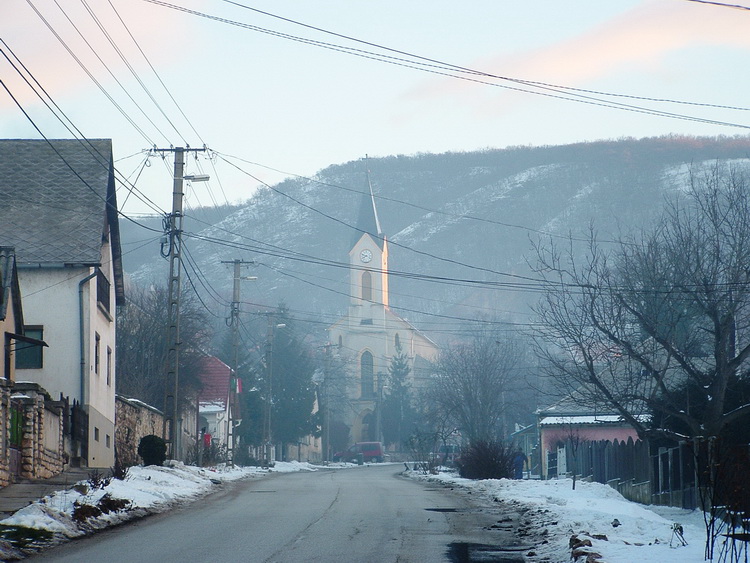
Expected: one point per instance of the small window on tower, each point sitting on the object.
(367, 286)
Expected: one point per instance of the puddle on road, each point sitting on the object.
(464, 552)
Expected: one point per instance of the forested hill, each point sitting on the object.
(461, 226)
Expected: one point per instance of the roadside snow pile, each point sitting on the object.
(618, 530)
(98, 503)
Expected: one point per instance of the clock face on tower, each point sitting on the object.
(365, 256)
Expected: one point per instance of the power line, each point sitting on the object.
(721, 4)
(551, 91)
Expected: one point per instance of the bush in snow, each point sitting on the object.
(153, 450)
(486, 459)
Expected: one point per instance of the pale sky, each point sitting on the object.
(298, 108)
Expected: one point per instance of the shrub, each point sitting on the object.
(486, 460)
(97, 480)
(153, 450)
(119, 470)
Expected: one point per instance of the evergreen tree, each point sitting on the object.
(398, 415)
(291, 365)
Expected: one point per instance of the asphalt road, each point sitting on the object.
(370, 514)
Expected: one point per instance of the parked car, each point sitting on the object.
(370, 451)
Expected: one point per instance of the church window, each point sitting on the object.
(397, 341)
(367, 286)
(367, 372)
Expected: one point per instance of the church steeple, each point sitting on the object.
(367, 220)
(369, 256)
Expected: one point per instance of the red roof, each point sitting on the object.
(215, 377)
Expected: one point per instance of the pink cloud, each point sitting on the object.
(159, 32)
(641, 38)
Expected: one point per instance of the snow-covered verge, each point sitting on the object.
(92, 505)
(619, 530)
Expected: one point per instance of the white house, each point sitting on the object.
(59, 211)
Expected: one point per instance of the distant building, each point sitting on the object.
(370, 332)
(58, 209)
(214, 405)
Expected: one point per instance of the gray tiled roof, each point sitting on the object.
(57, 200)
(53, 199)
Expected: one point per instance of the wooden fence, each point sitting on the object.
(639, 472)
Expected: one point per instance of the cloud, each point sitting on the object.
(640, 39)
(158, 32)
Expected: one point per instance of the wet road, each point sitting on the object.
(369, 513)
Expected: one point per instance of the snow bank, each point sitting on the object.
(633, 532)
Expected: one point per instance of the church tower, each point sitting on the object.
(368, 262)
(370, 333)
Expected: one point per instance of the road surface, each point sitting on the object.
(370, 514)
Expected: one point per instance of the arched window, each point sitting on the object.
(366, 286)
(367, 375)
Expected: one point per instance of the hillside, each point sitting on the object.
(466, 221)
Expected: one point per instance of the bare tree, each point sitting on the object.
(142, 344)
(470, 385)
(659, 324)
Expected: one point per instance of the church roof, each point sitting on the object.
(367, 220)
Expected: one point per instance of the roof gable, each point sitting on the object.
(10, 295)
(58, 202)
(215, 378)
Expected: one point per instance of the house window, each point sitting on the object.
(367, 286)
(367, 379)
(97, 351)
(29, 356)
(397, 341)
(107, 440)
(96, 433)
(102, 290)
(109, 365)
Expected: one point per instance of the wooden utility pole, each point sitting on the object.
(170, 428)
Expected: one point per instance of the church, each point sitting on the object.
(370, 334)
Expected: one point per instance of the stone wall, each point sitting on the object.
(42, 432)
(134, 419)
(5, 473)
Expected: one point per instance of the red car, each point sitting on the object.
(370, 451)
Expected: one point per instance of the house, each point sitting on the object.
(32, 445)
(371, 333)
(215, 402)
(59, 211)
(565, 425)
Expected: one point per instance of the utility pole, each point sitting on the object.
(327, 412)
(268, 425)
(170, 430)
(234, 322)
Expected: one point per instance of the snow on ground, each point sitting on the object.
(59, 516)
(644, 532)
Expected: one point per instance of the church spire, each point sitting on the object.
(367, 220)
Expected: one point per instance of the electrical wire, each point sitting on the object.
(550, 91)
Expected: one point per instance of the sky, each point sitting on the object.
(645, 532)
(272, 99)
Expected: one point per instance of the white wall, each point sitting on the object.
(51, 299)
